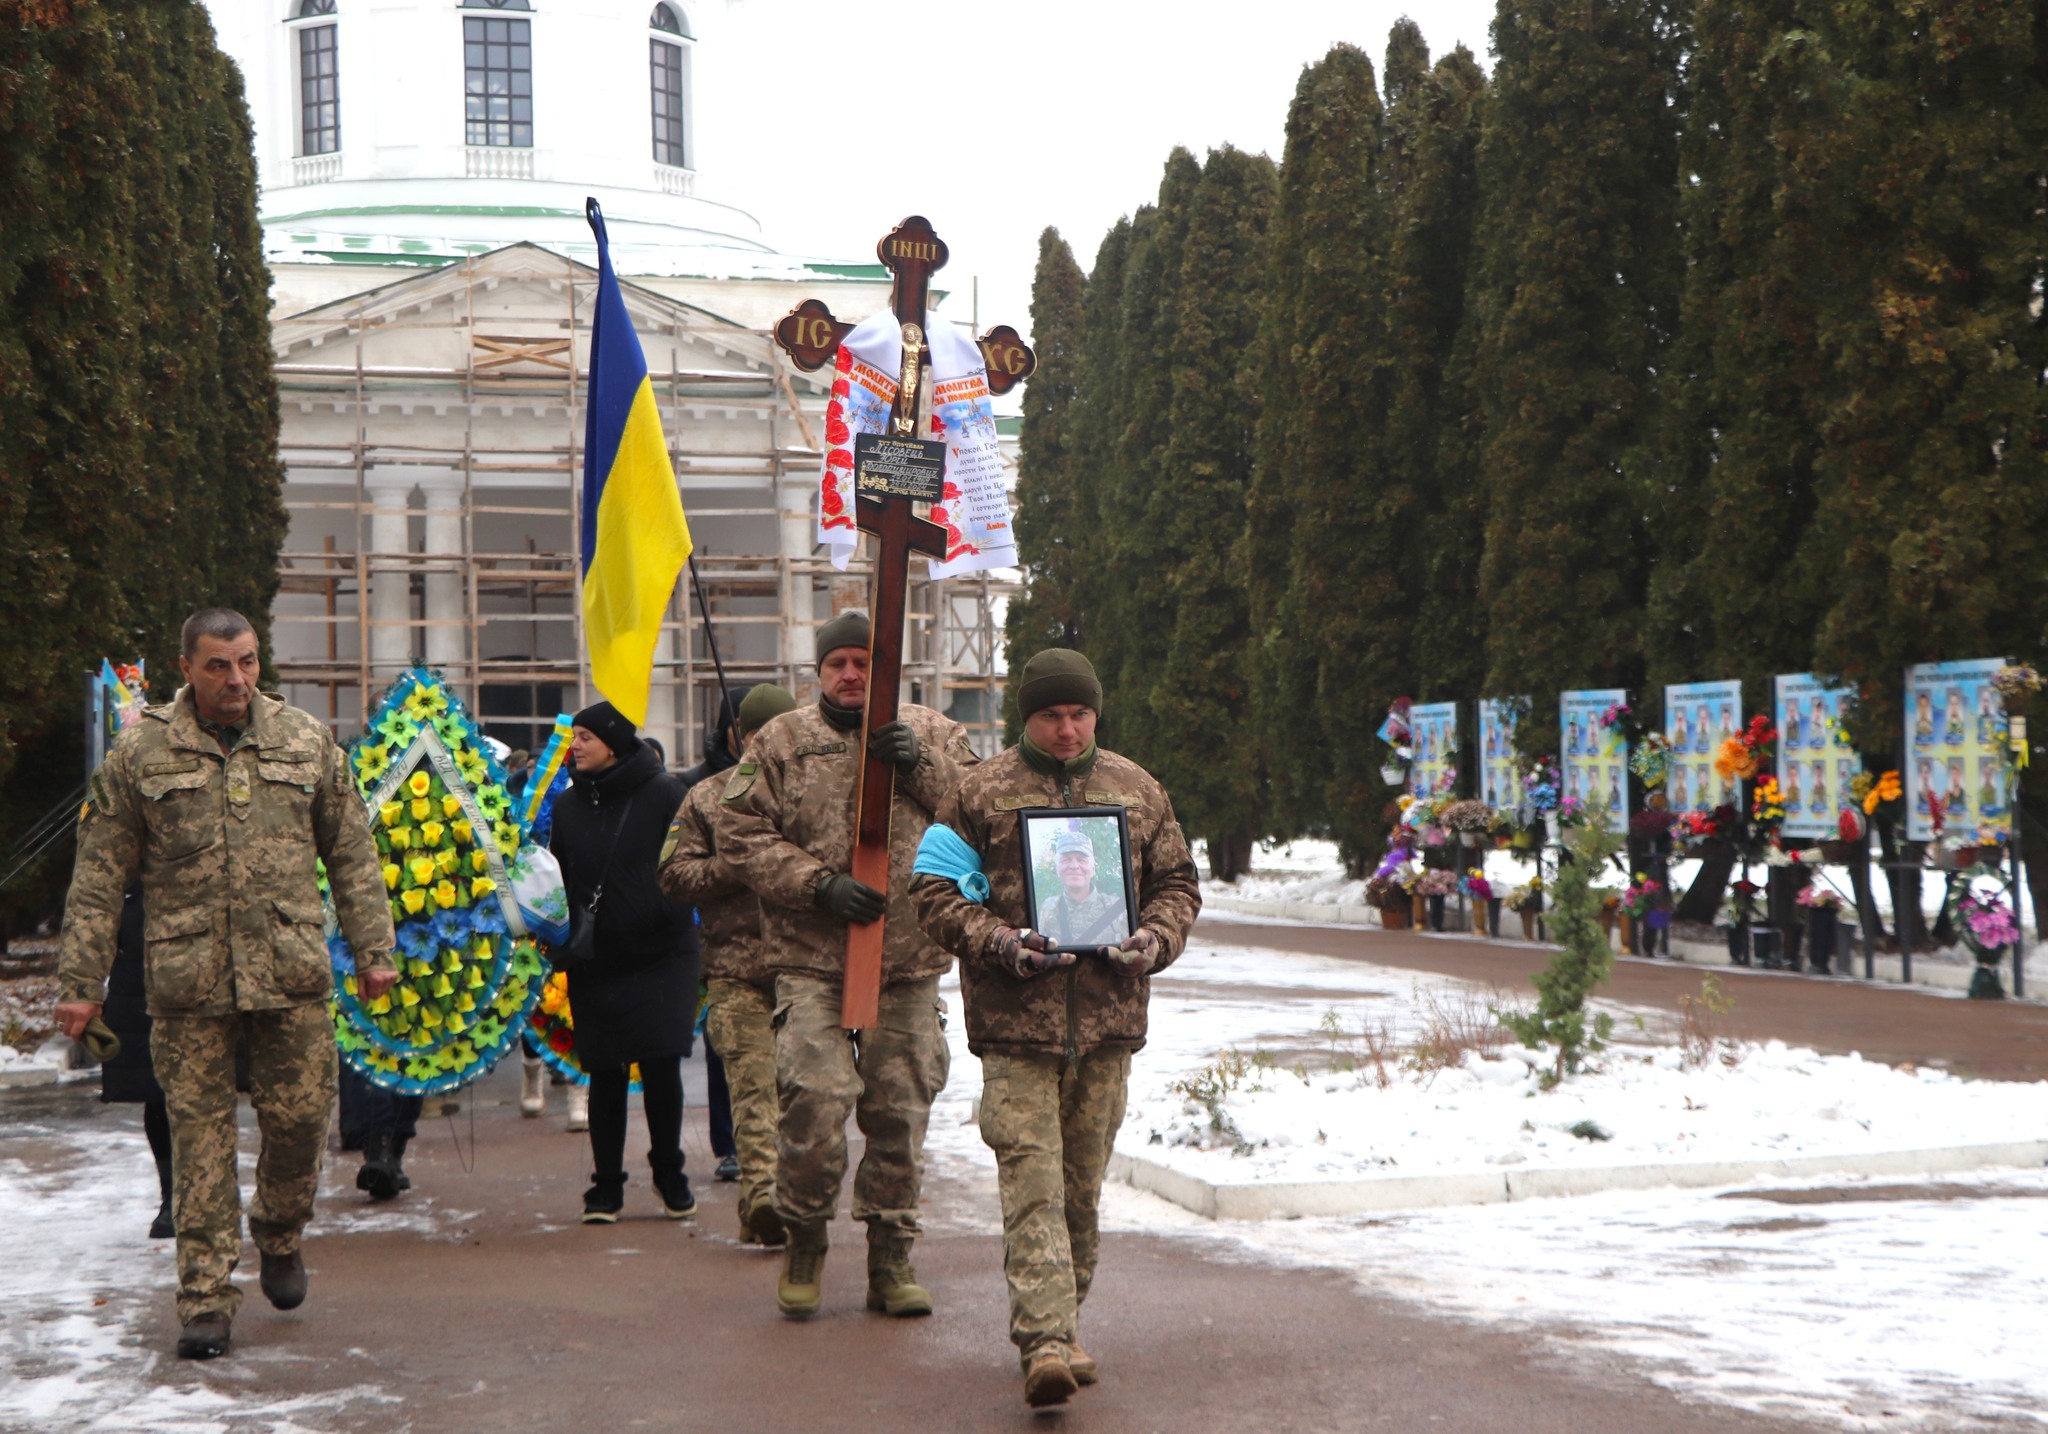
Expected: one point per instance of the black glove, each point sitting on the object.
(895, 744)
(1135, 956)
(850, 900)
(1026, 953)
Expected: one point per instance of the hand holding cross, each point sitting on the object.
(911, 252)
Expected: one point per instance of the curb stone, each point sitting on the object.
(1283, 1201)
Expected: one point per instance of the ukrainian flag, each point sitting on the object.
(635, 539)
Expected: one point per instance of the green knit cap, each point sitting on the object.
(764, 702)
(1055, 677)
(849, 629)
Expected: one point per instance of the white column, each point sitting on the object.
(447, 591)
(798, 492)
(389, 490)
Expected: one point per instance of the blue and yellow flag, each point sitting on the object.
(635, 539)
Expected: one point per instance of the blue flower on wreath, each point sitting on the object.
(486, 918)
(416, 939)
(451, 928)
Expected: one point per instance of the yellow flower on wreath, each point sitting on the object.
(419, 783)
(1734, 762)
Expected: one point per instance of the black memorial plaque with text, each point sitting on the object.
(885, 467)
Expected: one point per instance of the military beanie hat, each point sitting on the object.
(849, 629)
(610, 726)
(1056, 677)
(763, 703)
(1072, 841)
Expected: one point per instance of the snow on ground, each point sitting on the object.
(1859, 1303)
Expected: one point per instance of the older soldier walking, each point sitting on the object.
(220, 801)
(1055, 1031)
(786, 822)
(740, 984)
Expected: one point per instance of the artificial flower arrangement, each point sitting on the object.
(1816, 897)
(1877, 793)
(1528, 896)
(1747, 753)
(1653, 825)
(469, 972)
(1475, 885)
(1987, 925)
(2016, 683)
(1541, 790)
(1385, 892)
(1643, 896)
(1398, 736)
(554, 1033)
(1469, 816)
(1436, 881)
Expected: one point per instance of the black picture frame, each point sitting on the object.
(1096, 823)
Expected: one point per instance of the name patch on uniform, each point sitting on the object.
(1017, 804)
(820, 749)
(1106, 799)
(742, 780)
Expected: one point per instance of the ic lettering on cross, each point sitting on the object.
(809, 334)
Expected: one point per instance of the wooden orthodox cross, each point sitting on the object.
(892, 471)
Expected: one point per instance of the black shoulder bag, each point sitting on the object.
(579, 952)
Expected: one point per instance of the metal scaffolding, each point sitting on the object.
(491, 597)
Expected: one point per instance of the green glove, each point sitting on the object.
(850, 900)
(100, 1041)
(895, 744)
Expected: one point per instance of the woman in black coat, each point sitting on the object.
(636, 1002)
(130, 1077)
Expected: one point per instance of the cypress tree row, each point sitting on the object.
(1200, 699)
(1049, 533)
(1325, 554)
(139, 475)
(1573, 292)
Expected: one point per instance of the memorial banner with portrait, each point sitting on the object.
(1435, 739)
(1500, 775)
(1955, 751)
(1593, 759)
(1816, 763)
(1698, 717)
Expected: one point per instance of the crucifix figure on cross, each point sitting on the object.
(892, 470)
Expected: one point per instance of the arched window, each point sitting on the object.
(319, 80)
(497, 58)
(669, 76)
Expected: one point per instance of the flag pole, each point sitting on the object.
(711, 641)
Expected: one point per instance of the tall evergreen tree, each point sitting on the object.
(1049, 532)
(1574, 295)
(1326, 564)
(1135, 608)
(1200, 699)
(139, 475)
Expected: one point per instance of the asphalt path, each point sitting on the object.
(2003, 1040)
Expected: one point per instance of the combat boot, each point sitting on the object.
(533, 1087)
(398, 1144)
(763, 1226)
(204, 1337)
(892, 1284)
(801, 1290)
(283, 1279)
(1048, 1378)
(1082, 1363)
(377, 1179)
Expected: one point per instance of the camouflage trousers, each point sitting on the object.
(738, 1021)
(1051, 1127)
(886, 1081)
(291, 1084)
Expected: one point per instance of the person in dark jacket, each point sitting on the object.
(129, 1078)
(635, 1003)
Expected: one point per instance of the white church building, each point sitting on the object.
(424, 167)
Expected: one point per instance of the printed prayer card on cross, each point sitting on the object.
(892, 471)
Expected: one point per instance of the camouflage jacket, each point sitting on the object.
(225, 847)
(1092, 1003)
(786, 820)
(697, 872)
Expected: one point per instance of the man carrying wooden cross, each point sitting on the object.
(787, 824)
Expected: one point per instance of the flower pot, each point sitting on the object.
(1657, 936)
(1790, 939)
(1396, 918)
(1628, 933)
(1985, 982)
(1820, 939)
(1764, 948)
(1493, 916)
(1528, 925)
(1550, 828)
(1394, 776)
(1436, 913)
(1738, 943)
(1837, 853)
(1478, 918)
(1418, 909)
(1846, 933)
(1962, 858)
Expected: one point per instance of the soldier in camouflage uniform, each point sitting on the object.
(1055, 1031)
(220, 801)
(1080, 913)
(740, 981)
(786, 822)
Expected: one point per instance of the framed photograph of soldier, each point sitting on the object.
(1077, 875)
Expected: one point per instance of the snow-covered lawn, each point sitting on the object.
(1861, 1303)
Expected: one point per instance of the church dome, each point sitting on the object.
(389, 131)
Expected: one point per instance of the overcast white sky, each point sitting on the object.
(1028, 113)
